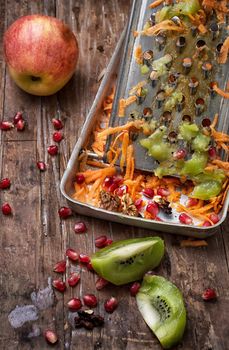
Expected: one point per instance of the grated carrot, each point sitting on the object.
(156, 3)
(125, 143)
(138, 54)
(163, 26)
(221, 164)
(220, 92)
(129, 161)
(112, 130)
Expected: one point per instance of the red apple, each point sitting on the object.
(41, 53)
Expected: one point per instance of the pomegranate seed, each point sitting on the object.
(83, 258)
(180, 154)
(52, 150)
(108, 181)
(110, 305)
(138, 203)
(71, 254)
(153, 209)
(109, 241)
(214, 218)
(5, 183)
(17, 117)
(57, 136)
(101, 283)
(100, 241)
(185, 219)
(191, 202)
(74, 304)
(60, 267)
(163, 192)
(20, 125)
(209, 294)
(206, 224)
(134, 288)
(41, 166)
(148, 192)
(90, 300)
(120, 191)
(212, 152)
(64, 212)
(80, 179)
(6, 209)
(50, 336)
(59, 285)
(73, 279)
(5, 126)
(80, 227)
(90, 267)
(57, 123)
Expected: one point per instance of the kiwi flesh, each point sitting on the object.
(128, 260)
(162, 307)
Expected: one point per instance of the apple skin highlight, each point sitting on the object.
(41, 53)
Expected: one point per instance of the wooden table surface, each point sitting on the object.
(34, 238)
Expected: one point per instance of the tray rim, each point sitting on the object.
(89, 210)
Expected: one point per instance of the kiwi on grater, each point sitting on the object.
(128, 260)
(162, 307)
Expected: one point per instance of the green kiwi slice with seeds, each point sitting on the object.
(128, 260)
(162, 307)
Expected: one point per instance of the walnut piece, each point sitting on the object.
(127, 206)
(109, 201)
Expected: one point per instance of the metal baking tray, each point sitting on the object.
(68, 178)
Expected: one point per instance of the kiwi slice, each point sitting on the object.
(128, 260)
(162, 307)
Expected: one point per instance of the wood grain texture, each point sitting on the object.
(34, 238)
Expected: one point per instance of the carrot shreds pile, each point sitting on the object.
(111, 131)
(166, 25)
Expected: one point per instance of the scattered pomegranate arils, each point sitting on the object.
(109, 241)
(60, 267)
(83, 258)
(53, 150)
(90, 300)
(90, 267)
(5, 183)
(59, 285)
(41, 166)
(134, 288)
(212, 152)
(72, 254)
(80, 227)
(153, 209)
(64, 212)
(50, 336)
(101, 283)
(117, 181)
(74, 304)
(20, 125)
(100, 241)
(120, 191)
(110, 305)
(206, 224)
(209, 294)
(185, 219)
(17, 117)
(163, 192)
(214, 218)
(57, 136)
(80, 179)
(6, 209)
(180, 154)
(148, 192)
(57, 123)
(108, 181)
(191, 202)
(73, 279)
(138, 203)
(5, 126)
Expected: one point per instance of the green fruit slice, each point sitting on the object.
(161, 305)
(127, 261)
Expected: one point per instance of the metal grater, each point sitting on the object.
(130, 75)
